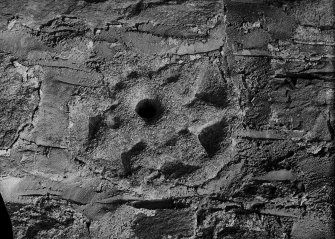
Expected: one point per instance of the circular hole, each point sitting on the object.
(147, 109)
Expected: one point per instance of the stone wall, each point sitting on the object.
(158, 119)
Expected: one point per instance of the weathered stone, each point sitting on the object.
(211, 135)
(310, 229)
(19, 99)
(279, 175)
(128, 154)
(175, 169)
(180, 224)
(211, 86)
(167, 119)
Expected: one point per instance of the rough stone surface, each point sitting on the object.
(168, 118)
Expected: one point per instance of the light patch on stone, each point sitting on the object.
(4, 152)
(8, 187)
(22, 70)
(90, 45)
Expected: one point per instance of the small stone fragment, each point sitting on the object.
(127, 155)
(279, 175)
(211, 135)
(211, 87)
(175, 169)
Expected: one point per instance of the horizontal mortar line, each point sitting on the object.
(199, 38)
(197, 53)
(61, 66)
(315, 43)
(325, 58)
(74, 84)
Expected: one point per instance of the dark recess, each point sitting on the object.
(148, 109)
(6, 225)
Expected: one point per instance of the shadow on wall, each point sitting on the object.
(6, 225)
